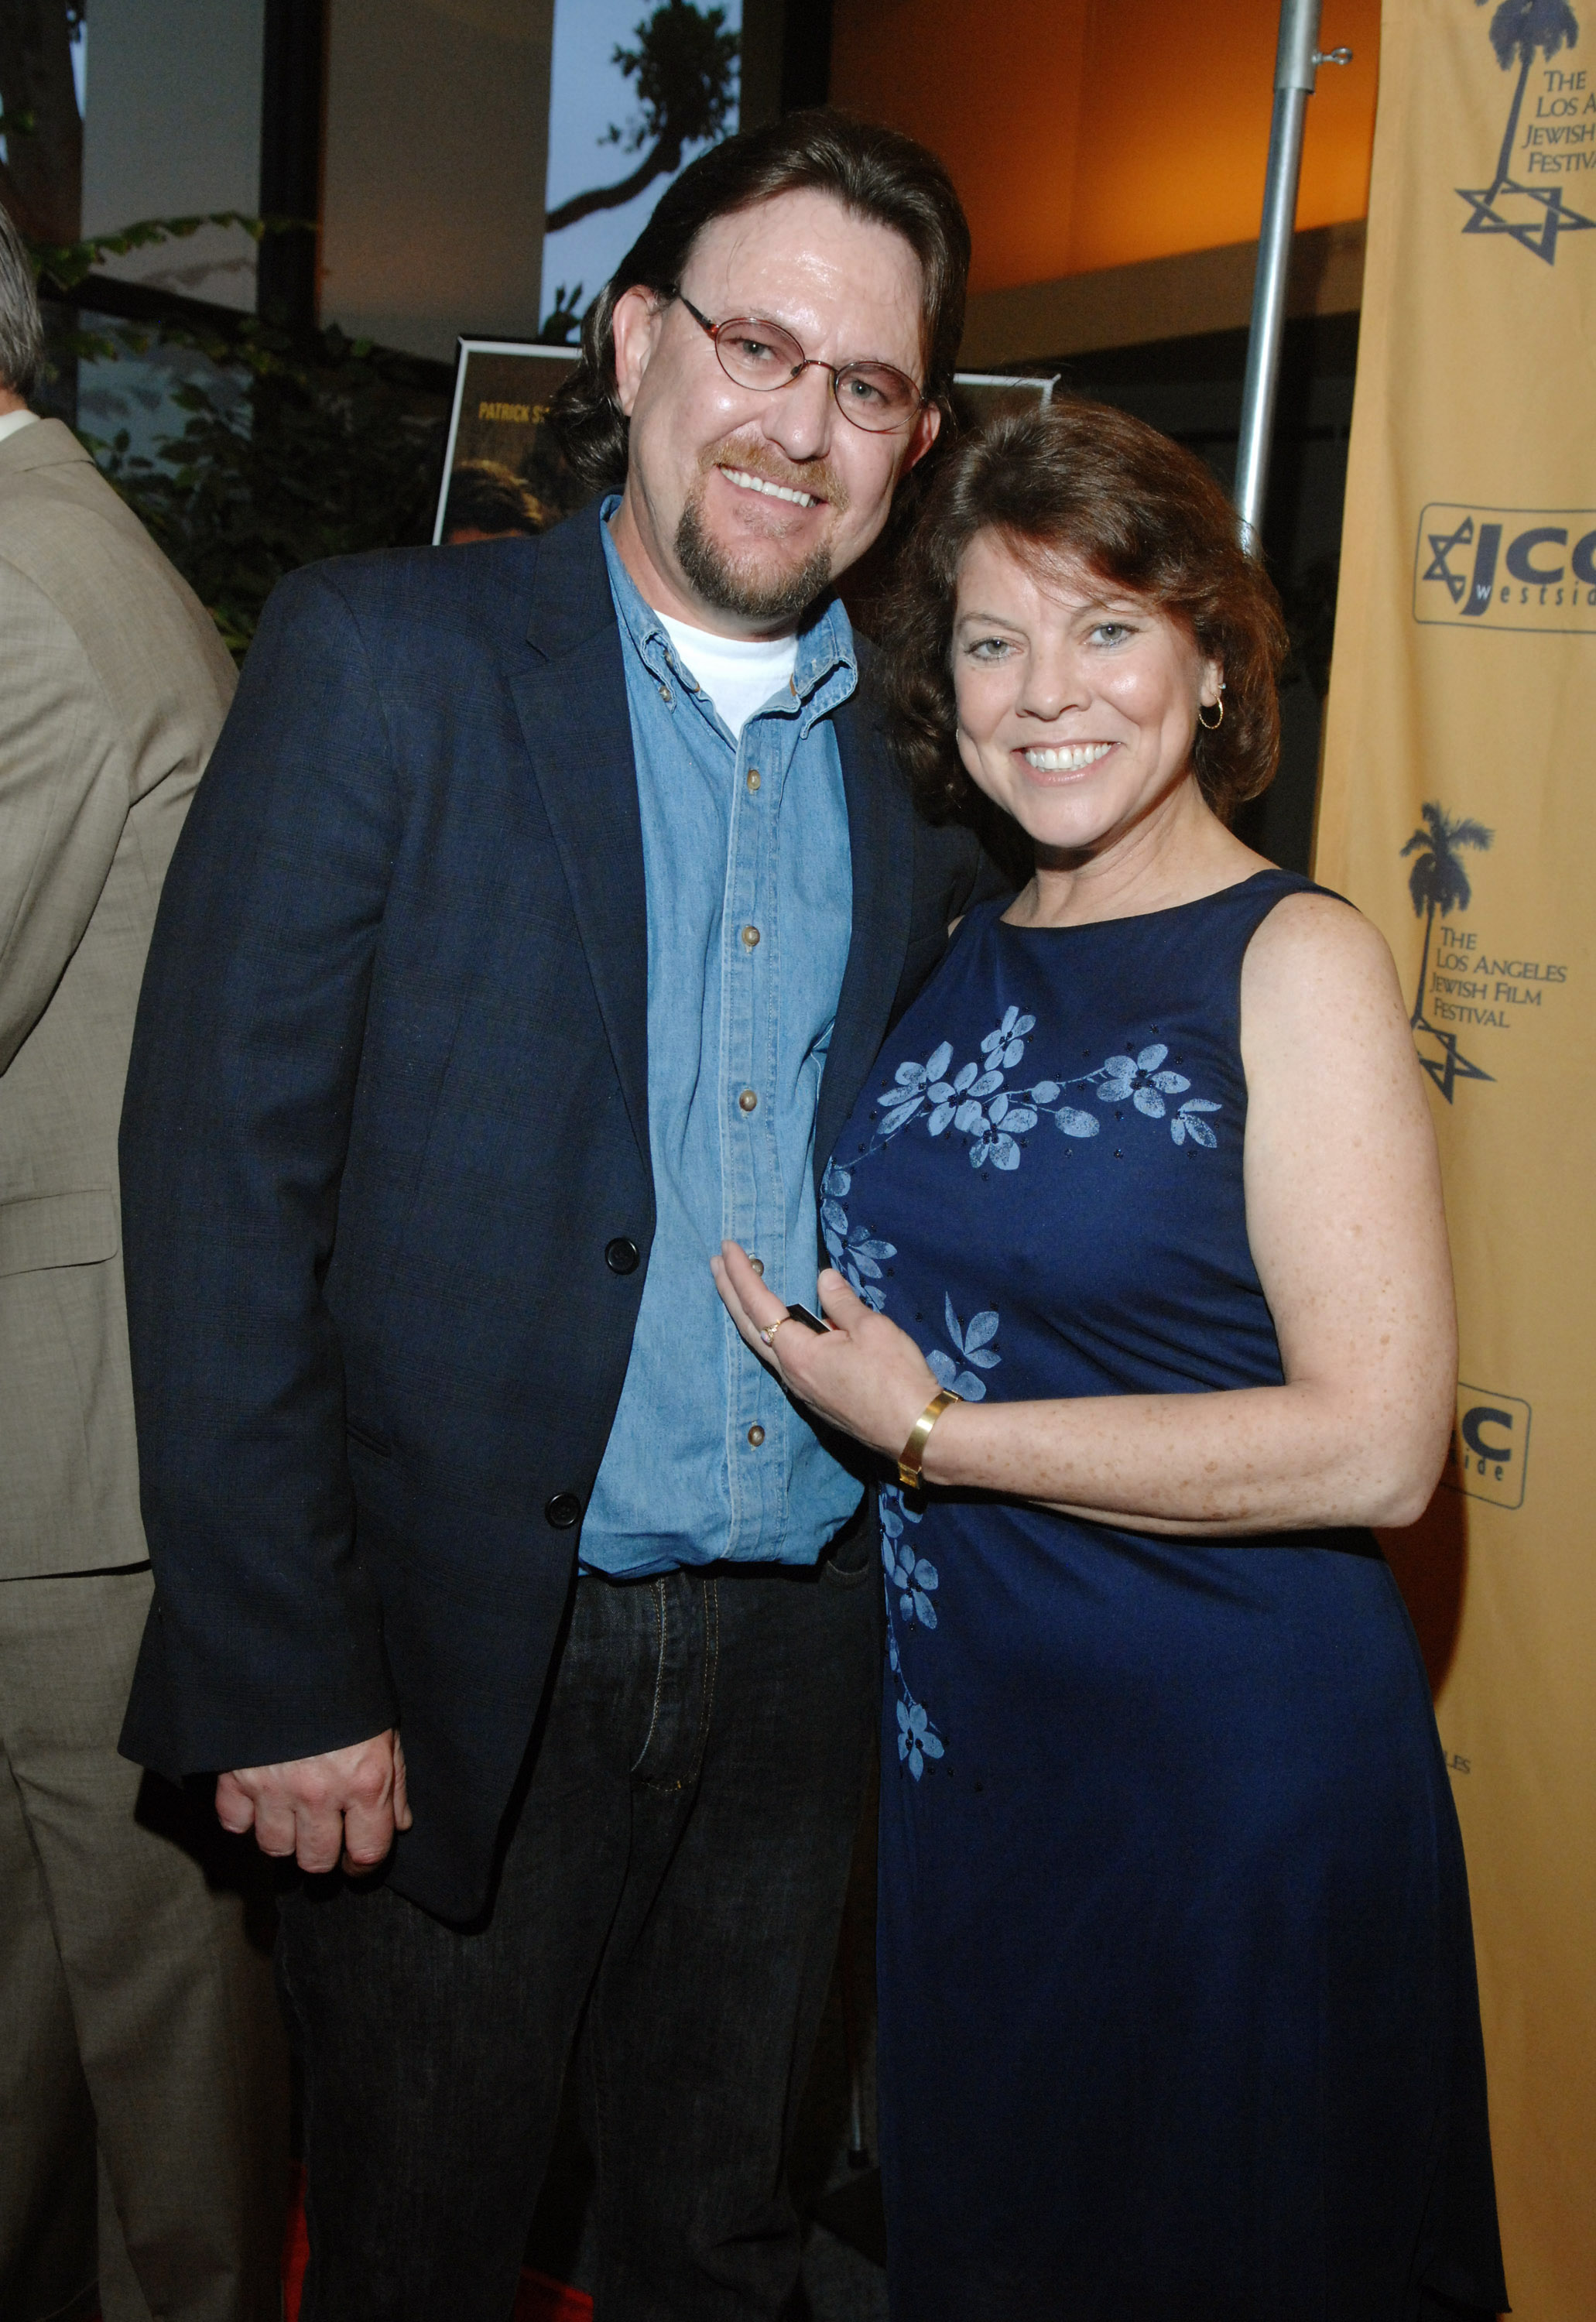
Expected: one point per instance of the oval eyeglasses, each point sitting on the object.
(757, 354)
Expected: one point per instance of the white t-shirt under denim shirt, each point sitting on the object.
(738, 674)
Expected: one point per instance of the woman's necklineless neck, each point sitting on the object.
(1151, 911)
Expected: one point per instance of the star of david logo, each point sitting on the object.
(1451, 1065)
(1442, 545)
(1498, 209)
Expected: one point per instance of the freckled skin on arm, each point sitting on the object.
(1348, 1234)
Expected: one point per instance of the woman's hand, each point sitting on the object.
(865, 1376)
(1345, 1224)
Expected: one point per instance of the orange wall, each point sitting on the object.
(1087, 133)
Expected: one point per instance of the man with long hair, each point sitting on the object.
(538, 922)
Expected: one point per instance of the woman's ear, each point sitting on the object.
(1212, 684)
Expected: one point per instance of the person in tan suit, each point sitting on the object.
(141, 2073)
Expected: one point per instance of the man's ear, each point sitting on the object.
(636, 323)
(924, 432)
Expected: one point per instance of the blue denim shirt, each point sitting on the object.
(750, 912)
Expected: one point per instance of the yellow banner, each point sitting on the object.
(1459, 811)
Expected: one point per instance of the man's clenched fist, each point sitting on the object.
(341, 1808)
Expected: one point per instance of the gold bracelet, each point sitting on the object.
(913, 1451)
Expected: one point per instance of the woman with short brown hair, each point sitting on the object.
(1132, 506)
(1142, 1287)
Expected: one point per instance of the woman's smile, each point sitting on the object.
(1076, 703)
(1064, 757)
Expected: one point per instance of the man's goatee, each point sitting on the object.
(750, 594)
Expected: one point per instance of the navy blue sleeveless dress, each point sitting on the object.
(1178, 2010)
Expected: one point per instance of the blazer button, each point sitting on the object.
(621, 1255)
(562, 1511)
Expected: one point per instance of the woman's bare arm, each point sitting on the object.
(1348, 1232)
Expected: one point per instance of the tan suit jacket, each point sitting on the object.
(113, 685)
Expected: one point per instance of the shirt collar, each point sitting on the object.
(825, 643)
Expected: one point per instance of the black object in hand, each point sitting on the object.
(798, 1313)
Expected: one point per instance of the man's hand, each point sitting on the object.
(341, 1808)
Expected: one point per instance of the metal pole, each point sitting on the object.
(1295, 60)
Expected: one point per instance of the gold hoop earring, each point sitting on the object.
(1210, 726)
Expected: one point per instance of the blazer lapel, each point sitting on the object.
(881, 839)
(578, 728)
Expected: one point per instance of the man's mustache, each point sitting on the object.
(819, 479)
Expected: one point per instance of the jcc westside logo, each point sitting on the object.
(1493, 568)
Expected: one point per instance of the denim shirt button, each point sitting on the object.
(756, 1436)
(714, 866)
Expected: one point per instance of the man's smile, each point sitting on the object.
(747, 482)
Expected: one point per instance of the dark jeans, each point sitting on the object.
(674, 1868)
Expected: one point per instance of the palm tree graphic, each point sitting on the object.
(1520, 31)
(1438, 882)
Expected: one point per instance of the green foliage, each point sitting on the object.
(291, 451)
(65, 264)
(290, 456)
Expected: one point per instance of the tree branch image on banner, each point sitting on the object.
(656, 84)
(1459, 812)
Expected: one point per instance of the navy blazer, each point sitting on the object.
(386, 1112)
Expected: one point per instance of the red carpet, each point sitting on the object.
(539, 2299)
